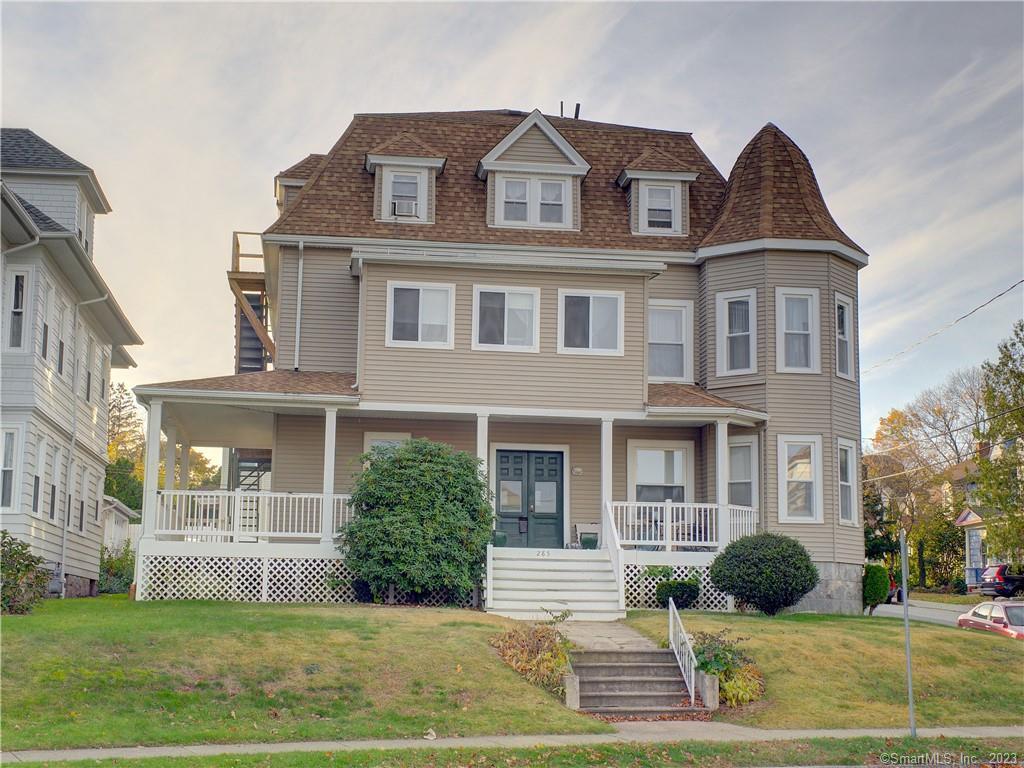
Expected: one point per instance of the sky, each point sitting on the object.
(911, 114)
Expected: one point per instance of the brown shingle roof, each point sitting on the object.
(673, 395)
(338, 199)
(772, 193)
(272, 382)
(654, 159)
(302, 169)
(404, 144)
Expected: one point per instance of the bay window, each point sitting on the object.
(669, 340)
(506, 319)
(18, 297)
(801, 495)
(797, 330)
(590, 322)
(533, 201)
(736, 331)
(844, 336)
(847, 481)
(420, 315)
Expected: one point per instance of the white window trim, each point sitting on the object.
(533, 201)
(755, 471)
(27, 319)
(685, 306)
(563, 350)
(847, 302)
(721, 326)
(389, 342)
(780, 329)
(819, 493)
(476, 345)
(369, 437)
(843, 444)
(686, 446)
(19, 450)
(676, 188)
(421, 195)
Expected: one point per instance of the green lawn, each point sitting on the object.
(683, 754)
(848, 671)
(107, 672)
(942, 597)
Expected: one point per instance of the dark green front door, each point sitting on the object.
(529, 498)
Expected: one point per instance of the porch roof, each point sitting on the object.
(315, 384)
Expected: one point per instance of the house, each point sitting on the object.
(62, 332)
(631, 345)
(120, 524)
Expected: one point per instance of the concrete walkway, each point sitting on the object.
(629, 732)
(605, 636)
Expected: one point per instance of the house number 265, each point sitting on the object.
(543, 553)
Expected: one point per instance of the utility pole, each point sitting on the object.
(906, 630)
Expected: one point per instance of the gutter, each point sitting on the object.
(298, 307)
(22, 247)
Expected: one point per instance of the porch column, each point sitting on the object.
(170, 456)
(330, 430)
(152, 470)
(183, 464)
(482, 453)
(606, 463)
(722, 478)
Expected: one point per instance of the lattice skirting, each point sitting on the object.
(263, 580)
(640, 587)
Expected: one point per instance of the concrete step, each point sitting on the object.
(552, 565)
(528, 553)
(645, 655)
(674, 685)
(586, 670)
(534, 614)
(606, 576)
(557, 606)
(634, 699)
(509, 592)
(649, 713)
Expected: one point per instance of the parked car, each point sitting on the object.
(895, 592)
(1000, 581)
(1004, 618)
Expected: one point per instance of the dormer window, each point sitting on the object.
(405, 193)
(657, 190)
(659, 208)
(406, 172)
(537, 201)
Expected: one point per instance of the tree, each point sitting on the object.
(125, 436)
(881, 539)
(1000, 475)
(122, 483)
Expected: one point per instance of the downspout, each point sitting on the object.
(22, 247)
(298, 309)
(74, 439)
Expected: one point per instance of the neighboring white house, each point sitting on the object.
(62, 332)
(120, 524)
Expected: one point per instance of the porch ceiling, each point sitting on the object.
(221, 426)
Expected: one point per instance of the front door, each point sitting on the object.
(530, 502)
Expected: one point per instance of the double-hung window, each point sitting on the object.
(797, 343)
(661, 210)
(60, 337)
(53, 482)
(16, 320)
(660, 470)
(404, 195)
(88, 369)
(420, 315)
(743, 470)
(44, 346)
(590, 322)
(847, 481)
(844, 336)
(42, 454)
(8, 466)
(669, 340)
(736, 324)
(533, 202)
(506, 319)
(801, 496)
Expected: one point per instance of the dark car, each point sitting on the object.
(1000, 581)
(1004, 618)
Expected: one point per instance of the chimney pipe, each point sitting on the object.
(576, 116)
(561, 109)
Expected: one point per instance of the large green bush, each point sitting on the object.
(768, 571)
(422, 520)
(117, 569)
(876, 586)
(24, 577)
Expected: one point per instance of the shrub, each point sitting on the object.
(717, 653)
(537, 652)
(684, 591)
(959, 586)
(767, 570)
(422, 520)
(876, 586)
(742, 686)
(117, 569)
(24, 577)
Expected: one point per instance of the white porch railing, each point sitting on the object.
(610, 541)
(679, 642)
(222, 516)
(669, 525)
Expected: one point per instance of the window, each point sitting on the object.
(60, 343)
(53, 483)
(736, 330)
(375, 439)
(421, 315)
(661, 210)
(847, 481)
(800, 483)
(506, 319)
(82, 486)
(44, 346)
(104, 370)
(743, 470)
(42, 455)
(796, 326)
(844, 336)
(660, 470)
(405, 195)
(669, 340)
(532, 202)
(88, 369)
(8, 459)
(590, 322)
(18, 287)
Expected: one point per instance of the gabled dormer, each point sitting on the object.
(405, 173)
(533, 178)
(658, 194)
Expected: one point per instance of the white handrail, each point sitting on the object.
(679, 642)
(489, 583)
(610, 540)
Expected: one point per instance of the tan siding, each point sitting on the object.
(577, 209)
(491, 198)
(544, 379)
(533, 147)
(632, 200)
(679, 281)
(734, 273)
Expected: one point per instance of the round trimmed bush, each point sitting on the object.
(767, 570)
(422, 520)
(684, 591)
(876, 586)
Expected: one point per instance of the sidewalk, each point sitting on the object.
(641, 732)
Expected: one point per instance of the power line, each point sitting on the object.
(923, 438)
(923, 466)
(936, 332)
